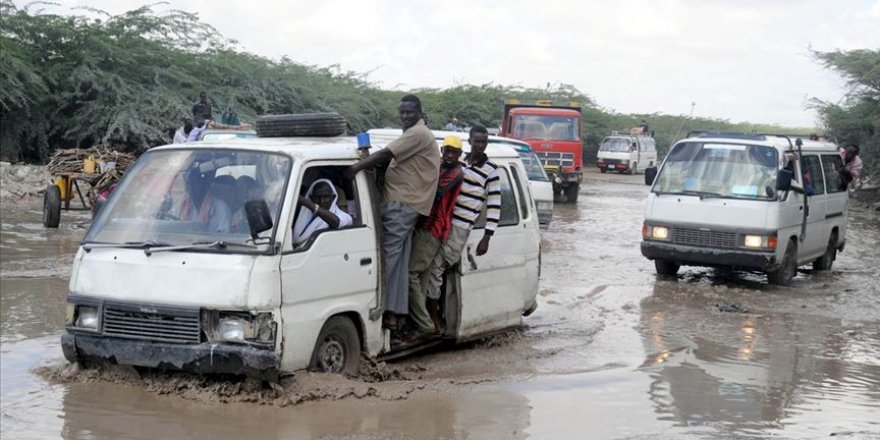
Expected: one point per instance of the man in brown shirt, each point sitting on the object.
(410, 182)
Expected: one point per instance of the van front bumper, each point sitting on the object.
(696, 256)
(213, 358)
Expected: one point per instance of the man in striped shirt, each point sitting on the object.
(481, 186)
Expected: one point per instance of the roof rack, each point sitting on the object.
(741, 135)
(630, 132)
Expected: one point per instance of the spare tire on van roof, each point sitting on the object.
(301, 124)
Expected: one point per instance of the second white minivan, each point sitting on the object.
(747, 201)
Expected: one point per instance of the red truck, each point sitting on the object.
(553, 129)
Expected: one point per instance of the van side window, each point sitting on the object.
(345, 204)
(509, 214)
(832, 164)
(523, 202)
(813, 176)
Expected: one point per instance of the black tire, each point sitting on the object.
(666, 268)
(52, 207)
(338, 348)
(603, 170)
(826, 260)
(785, 273)
(650, 174)
(303, 124)
(571, 193)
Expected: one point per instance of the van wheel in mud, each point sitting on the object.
(666, 268)
(52, 207)
(827, 259)
(603, 170)
(303, 124)
(783, 275)
(338, 348)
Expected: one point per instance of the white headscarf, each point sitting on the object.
(308, 222)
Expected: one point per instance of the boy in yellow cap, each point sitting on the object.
(429, 235)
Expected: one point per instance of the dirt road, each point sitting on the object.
(612, 352)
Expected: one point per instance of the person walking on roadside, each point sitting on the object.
(201, 110)
(429, 235)
(481, 186)
(412, 173)
(852, 165)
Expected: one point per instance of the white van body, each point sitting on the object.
(237, 305)
(540, 184)
(627, 152)
(715, 202)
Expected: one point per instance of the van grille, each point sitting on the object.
(152, 323)
(701, 238)
(550, 158)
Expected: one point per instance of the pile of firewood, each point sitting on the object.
(73, 160)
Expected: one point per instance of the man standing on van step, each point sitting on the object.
(481, 185)
(412, 172)
(429, 235)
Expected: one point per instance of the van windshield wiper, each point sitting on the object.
(127, 245)
(198, 245)
(701, 194)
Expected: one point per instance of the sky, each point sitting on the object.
(743, 60)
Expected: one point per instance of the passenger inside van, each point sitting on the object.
(202, 205)
(318, 211)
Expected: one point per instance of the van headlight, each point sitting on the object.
(86, 317)
(544, 205)
(659, 232)
(754, 241)
(239, 327)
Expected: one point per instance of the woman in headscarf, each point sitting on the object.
(318, 210)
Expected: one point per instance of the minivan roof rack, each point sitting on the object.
(741, 135)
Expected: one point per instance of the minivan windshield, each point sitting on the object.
(719, 170)
(615, 145)
(186, 197)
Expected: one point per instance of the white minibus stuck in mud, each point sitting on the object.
(747, 201)
(192, 264)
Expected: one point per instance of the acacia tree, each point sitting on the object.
(855, 120)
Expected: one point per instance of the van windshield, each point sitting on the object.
(186, 197)
(719, 170)
(615, 145)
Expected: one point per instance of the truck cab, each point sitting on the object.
(554, 132)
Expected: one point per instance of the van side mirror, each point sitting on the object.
(783, 179)
(258, 217)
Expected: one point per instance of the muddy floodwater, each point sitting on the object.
(612, 352)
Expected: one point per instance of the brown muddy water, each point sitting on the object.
(611, 353)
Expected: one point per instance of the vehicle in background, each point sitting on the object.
(627, 152)
(747, 201)
(553, 129)
(540, 184)
(192, 264)
(213, 135)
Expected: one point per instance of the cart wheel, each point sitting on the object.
(52, 207)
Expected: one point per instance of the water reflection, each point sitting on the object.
(747, 374)
(111, 411)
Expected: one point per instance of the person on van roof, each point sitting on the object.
(318, 211)
(429, 235)
(481, 185)
(413, 159)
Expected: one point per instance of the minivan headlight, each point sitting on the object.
(660, 233)
(544, 206)
(239, 327)
(86, 317)
(754, 241)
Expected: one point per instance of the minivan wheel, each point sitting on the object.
(52, 207)
(666, 268)
(603, 170)
(650, 174)
(784, 275)
(826, 260)
(338, 348)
